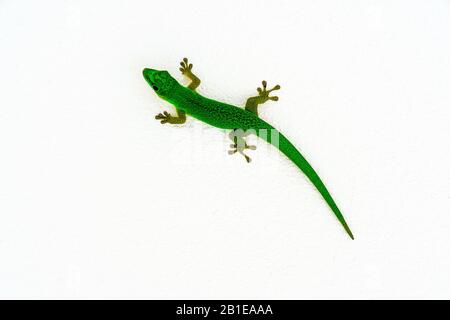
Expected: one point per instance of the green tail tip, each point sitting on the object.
(349, 232)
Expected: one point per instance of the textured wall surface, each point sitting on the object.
(99, 200)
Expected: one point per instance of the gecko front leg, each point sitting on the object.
(186, 69)
(166, 117)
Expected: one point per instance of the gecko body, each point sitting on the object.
(241, 122)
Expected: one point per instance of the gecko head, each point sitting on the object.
(160, 81)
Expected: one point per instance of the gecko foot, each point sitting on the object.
(235, 147)
(264, 93)
(186, 67)
(165, 117)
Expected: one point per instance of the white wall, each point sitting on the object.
(99, 200)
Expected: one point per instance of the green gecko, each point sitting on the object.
(241, 122)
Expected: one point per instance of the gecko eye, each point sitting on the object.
(155, 88)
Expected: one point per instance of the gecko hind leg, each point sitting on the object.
(263, 95)
(239, 144)
(186, 69)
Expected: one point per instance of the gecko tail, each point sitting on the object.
(277, 139)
